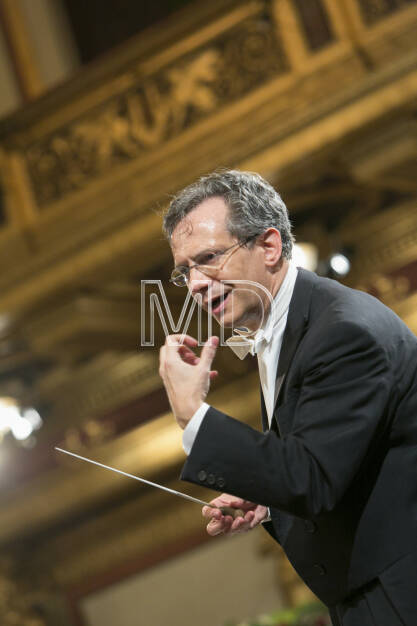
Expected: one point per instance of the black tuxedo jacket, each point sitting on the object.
(338, 468)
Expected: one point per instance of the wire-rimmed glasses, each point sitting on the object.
(180, 275)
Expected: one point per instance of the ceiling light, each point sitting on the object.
(340, 264)
(20, 423)
(21, 429)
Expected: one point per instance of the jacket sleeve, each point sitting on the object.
(338, 416)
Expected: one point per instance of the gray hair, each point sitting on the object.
(254, 205)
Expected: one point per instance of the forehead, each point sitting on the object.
(203, 227)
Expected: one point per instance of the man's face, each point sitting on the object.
(203, 233)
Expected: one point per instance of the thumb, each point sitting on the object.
(208, 352)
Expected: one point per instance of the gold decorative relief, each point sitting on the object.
(15, 606)
(104, 384)
(93, 433)
(29, 593)
(375, 10)
(155, 110)
(389, 289)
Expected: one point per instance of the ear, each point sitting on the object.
(272, 244)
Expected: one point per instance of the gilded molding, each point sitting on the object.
(375, 10)
(21, 49)
(383, 242)
(156, 109)
(15, 601)
(389, 290)
(103, 385)
(285, 129)
(29, 596)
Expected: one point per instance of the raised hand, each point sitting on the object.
(186, 376)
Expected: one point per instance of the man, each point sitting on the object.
(336, 465)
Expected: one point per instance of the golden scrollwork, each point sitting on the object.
(375, 10)
(15, 607)
(155, 110)
(251, 56)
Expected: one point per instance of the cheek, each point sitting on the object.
(250, 300)
(243, 298)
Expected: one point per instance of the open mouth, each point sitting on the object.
(218, 304)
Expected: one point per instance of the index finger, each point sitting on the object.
(227, 500)
(212, 512)
(181, 340)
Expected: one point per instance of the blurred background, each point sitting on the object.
(107, 108)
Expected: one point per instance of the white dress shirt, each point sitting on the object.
(266, 344)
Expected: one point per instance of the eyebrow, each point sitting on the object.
(199, 254)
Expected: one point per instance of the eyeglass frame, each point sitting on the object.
(216, 268)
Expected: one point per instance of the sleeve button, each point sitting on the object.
(221, 482)
(202, 475)
(211, 479)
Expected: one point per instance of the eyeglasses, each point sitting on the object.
(181, 275)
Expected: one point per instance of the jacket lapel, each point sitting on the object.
(265, 425)
(296, 327)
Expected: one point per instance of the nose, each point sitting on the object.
(198, 282)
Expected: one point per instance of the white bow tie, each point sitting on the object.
(243, 344)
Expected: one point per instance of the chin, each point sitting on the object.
(234, 315)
